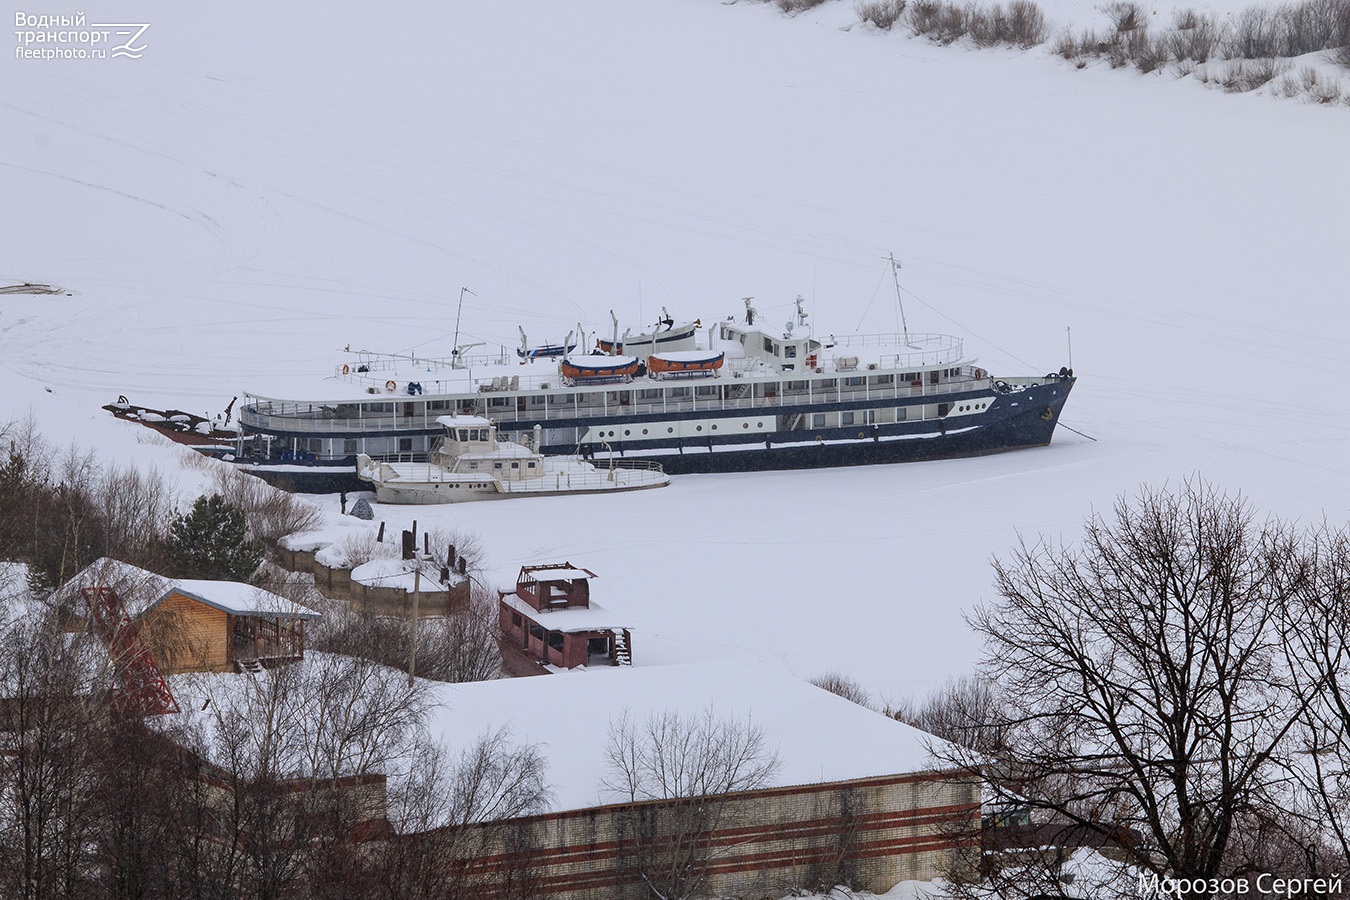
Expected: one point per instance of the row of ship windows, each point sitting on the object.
(818, 420)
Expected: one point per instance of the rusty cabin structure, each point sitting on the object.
(192, 625)
(549, 619)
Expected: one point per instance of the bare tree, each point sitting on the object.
(1149, 700)
(450, 811)
(676, 773)
(52, 711)
(455, 648)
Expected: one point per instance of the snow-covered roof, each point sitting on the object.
(577, 618)
(561, 574)
(141, 590)
(463, 421)
(818, 736)
(396, 573)
(240, 599)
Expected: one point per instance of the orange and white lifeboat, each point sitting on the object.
(693, 363)
(599, 368)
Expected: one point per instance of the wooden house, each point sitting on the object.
(549, 618)
(193, 625)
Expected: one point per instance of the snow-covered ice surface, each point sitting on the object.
(267, 185)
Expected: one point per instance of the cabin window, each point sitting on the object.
(515, 465)
(515, 620)
(679, 393)
(869, 416)
(883, 379)
(846, 418)
(405, 445)
(494, 465)
(855, 381)
(555, 640)
(943, 409)
(790, 351)
(500, 402)
(901, 413)
(349, 445)
(705, 391)
(537, 400)
(768, 345)
(536, 631)
(795, 386)
(438, 404)
(650, 394)
(817, 420)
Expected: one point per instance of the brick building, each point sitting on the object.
(855, 798)
(549, 619)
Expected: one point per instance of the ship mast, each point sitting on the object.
(454, 351)
(895, 274)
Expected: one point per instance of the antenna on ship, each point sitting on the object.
(1068, 336)
(454, 353)
(895, 274)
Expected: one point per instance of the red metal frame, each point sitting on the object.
(138, 686)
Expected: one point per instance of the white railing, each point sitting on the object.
(279, 415)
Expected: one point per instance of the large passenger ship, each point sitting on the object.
(733, 397)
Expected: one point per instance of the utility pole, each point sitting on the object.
(412, 645)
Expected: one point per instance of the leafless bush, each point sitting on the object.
(1249, 74)
(845, 687)
(1026, 24)
(1194, 36)
(881, 13)
(1148, 53)
(272, 513)
(1310, 84)
(358, 548)
(796, 6)
(1125, 15)
(1253, 36)
(1071, 46)
(1313, 25)
(468, 547)
(940, 22)
(455, 648)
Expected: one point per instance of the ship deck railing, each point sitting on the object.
(732, 395)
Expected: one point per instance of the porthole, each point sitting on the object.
(714, 428)
(626, 432)
(698, 427)
(644, 431)
(670, 430)
(745, 424)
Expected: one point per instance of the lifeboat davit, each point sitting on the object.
(692, 363)
(599, 368)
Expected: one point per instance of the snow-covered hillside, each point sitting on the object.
(267, 184)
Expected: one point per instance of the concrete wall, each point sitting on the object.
(869, 834)
(381, 601)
